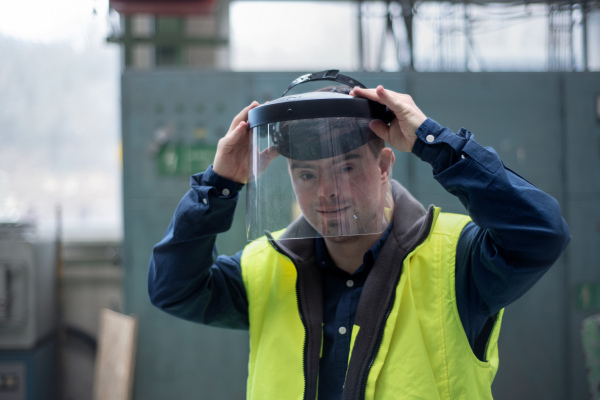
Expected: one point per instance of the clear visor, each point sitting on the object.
(317, 177)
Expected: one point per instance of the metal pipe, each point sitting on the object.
(584, 10)
(361, 48)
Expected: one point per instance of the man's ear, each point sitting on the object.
(386, 162)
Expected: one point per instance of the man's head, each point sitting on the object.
(340, 170)
(347, 194)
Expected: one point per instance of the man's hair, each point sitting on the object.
(376, 144)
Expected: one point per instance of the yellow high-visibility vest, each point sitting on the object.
(422, 351)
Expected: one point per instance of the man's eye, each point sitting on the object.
(346, 169)
(307, 177)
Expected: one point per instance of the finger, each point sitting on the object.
(235, 138)
(385, 97)
(267, 156)
(366, 93)
(381, 95)
(270, 153)
(378, 94)
(239, 133)
(242, 115)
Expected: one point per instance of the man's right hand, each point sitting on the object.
(233, 151)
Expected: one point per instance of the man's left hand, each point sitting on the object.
(400, 134)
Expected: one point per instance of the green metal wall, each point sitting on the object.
(543, 125)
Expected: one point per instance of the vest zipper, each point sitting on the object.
(301, 315)
(363, 386)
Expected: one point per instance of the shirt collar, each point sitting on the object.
(325, 261)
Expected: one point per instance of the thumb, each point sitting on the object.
(380, 128)
(265, 158)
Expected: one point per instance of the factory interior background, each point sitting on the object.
(106, 108)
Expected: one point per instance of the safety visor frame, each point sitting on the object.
(271, 201)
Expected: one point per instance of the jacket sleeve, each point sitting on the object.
(517, 231)
(186, 278)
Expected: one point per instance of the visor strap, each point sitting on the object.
(329, 75)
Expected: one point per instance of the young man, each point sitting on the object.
(412, 310)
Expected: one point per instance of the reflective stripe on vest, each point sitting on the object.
(424, 351)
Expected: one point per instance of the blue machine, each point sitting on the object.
(28, 314)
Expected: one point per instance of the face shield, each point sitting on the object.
(316, 167)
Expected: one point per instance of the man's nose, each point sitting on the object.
(327, 185)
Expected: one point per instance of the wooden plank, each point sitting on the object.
(115, 359)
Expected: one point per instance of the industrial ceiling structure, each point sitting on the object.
(382, 25)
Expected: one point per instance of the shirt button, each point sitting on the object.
(430, 138)
(349, 283)
(225, 192)
(204, 201)
(342, 330)
(462, 156)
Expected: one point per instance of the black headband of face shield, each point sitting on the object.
(320, 124)
(329, 75)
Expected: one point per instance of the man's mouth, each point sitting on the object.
(332, 211)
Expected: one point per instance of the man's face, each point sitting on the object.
(343, 195)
